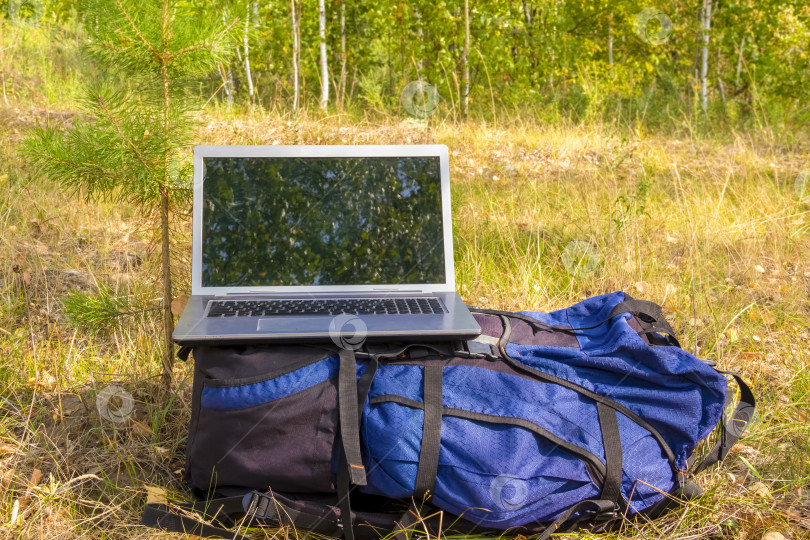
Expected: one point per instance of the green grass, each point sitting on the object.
(711, 228)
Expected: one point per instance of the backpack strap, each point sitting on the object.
(731, 431)
(350, 416)
(352, 397)
(161, 516)
(256, 506)
(593, 511)
(431, 432)
(651, 317)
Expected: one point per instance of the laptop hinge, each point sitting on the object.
(324, 293)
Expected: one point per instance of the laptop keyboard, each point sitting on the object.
(331, 306)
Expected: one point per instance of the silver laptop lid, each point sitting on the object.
(298, 219)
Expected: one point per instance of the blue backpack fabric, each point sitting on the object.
(547, 422)
(498, 473)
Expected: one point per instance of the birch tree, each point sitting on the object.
(324, 64)
(296, 46)
(247, 52)
(342, 86)
(705, 26)
(466, 59)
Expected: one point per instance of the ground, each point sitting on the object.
(715, 229)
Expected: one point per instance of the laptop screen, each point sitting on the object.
(287, 221)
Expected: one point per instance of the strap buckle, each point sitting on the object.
(259, 505)
(603, 517)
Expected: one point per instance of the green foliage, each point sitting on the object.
(101, 312)
(137, 119)
(132, 141)
(548, 58)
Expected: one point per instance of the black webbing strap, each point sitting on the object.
(344, 488)
(590, 510)
(406, 522)
(536, 324)
(264, 506)
(651, 316)
(503, 341)
(731, 431)
(414, 350)
(364, 384)
(350, 416)
(431, 432)
(612, 442)
(184, 352)
(160, 516)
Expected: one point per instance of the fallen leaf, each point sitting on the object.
(760, 490)
(44, 382)
(141, 428)
(179, 304)
(36, 476)
(642, 287)
(8, 449)
(155, 495)
(697, 322)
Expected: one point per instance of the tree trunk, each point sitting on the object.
(705, 26)
(247, 53)
(226, 84)
(324, 64)
(419, 35)
(165, 260)
(342, 86)
(739, 64)
(466, 59)
(165, 257)
(610, 44)
(295, 26)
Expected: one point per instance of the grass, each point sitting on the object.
(711, 228)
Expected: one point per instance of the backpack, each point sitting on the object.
(547, 422)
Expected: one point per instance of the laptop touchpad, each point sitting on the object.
(288, 324)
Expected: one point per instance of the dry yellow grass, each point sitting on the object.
(712, 229)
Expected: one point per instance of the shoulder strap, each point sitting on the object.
(256, 506)
(161, 516)
(733, 429)
(651, 318)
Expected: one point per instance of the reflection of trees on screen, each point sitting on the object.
(322, 221)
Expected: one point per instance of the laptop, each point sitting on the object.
(319, 243)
